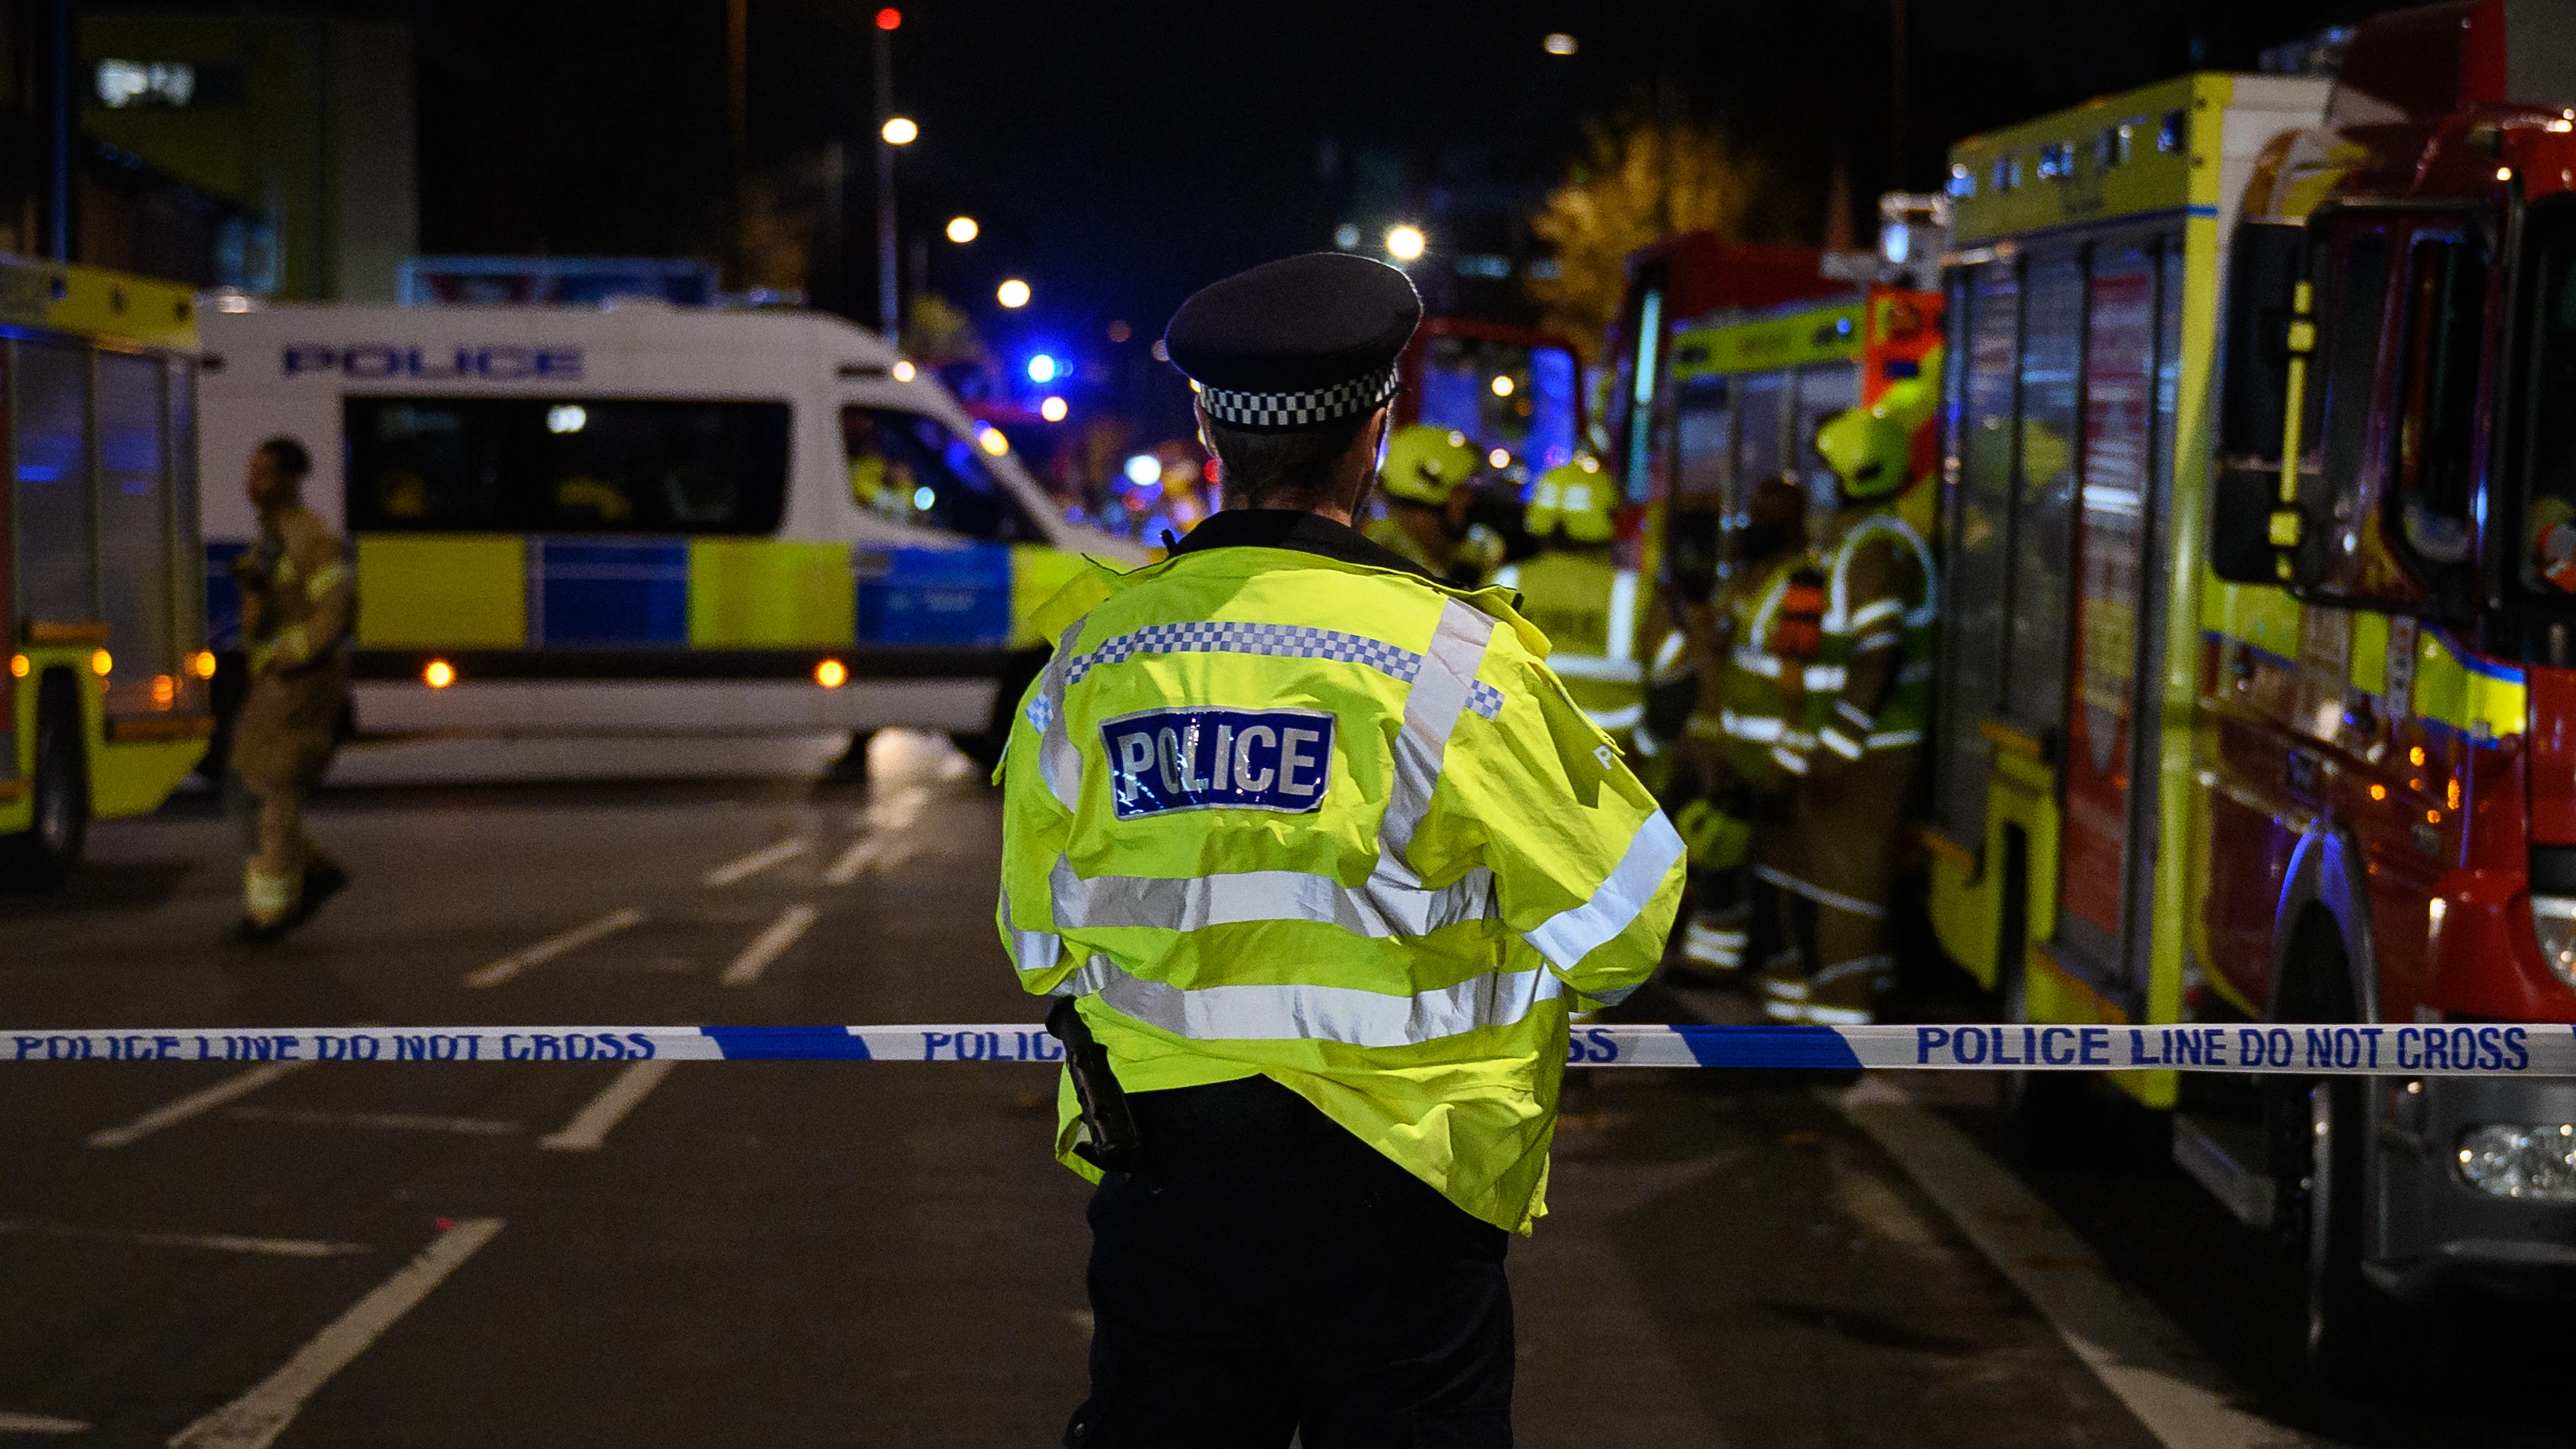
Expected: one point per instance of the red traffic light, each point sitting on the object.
(889, 18)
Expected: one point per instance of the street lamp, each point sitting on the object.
(889, 299)
(1404, 243)
(1558, 43)
(962, 229)
(1053, 410)
(1013, 293)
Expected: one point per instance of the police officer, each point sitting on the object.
(1324, 856)
(1867, 698)
(1426, 467)
(1580, 596)
(299, 601)
(1760, 625)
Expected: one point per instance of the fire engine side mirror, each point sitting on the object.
(2257, 534)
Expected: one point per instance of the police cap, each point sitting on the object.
(1295, 343)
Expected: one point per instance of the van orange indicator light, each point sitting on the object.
(18, 665)
(439, 674)
(831, 674)
(100, 662)
(202, 664)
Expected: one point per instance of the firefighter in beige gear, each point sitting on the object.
(1582, 597)
(1425, 484)
(1750, 633)
(298, 602)
(1853, 746)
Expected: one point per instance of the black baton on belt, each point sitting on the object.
(1114, 1145)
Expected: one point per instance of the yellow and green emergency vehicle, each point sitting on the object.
(103, 705)
(2083, 290)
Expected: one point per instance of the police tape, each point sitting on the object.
(2454, 1050)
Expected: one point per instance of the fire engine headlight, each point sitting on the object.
(2530, 1163)
(2553, 920)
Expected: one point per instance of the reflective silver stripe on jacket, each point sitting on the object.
(1381, 908)
(1821, 896)
(1760, 729)
(1838, 616)
(1343, 1014)
(1754, 661)
(1058, 760)
(1592, 666)
(1572, 934)
(1622, 643)
(1030, 950)
(1440, 693)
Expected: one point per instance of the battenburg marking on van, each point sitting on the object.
(1211, 759)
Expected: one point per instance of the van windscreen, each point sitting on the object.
(565, 465)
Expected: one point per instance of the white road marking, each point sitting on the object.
(2129, 1345)
(392, 1121)
(886, 817)
(254, 1420)
(896, 811)
(39, 1424)
(588, 1129)
(853, 860)
(192, 1105)
(769, 945)
(548, 949)
(758, 861)
(213, 1242)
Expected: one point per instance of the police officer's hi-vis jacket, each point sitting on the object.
(1274, 812)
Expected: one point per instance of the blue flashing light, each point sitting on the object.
(1042, 368)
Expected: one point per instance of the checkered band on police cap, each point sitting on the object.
(1295, 343)
(1299, 409)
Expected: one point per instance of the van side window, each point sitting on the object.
(910, 468)
(565, 465)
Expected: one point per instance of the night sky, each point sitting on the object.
(1120, 155)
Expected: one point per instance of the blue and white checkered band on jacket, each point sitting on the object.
(1298, 409)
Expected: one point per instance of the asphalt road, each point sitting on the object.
(586, 1254)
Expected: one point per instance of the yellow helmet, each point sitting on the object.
(1872, 448)
(1575, 498)
(1424, 461)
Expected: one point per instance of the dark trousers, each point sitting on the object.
(1272, 1275)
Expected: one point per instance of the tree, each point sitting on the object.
(1638, 183)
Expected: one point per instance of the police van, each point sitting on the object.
(639, 517)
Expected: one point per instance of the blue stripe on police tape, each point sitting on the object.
(1809, 1047)
(789, 1043)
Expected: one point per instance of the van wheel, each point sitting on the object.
(44, 854)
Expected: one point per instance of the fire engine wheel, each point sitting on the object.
(2351, 1326)
(45, 852)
